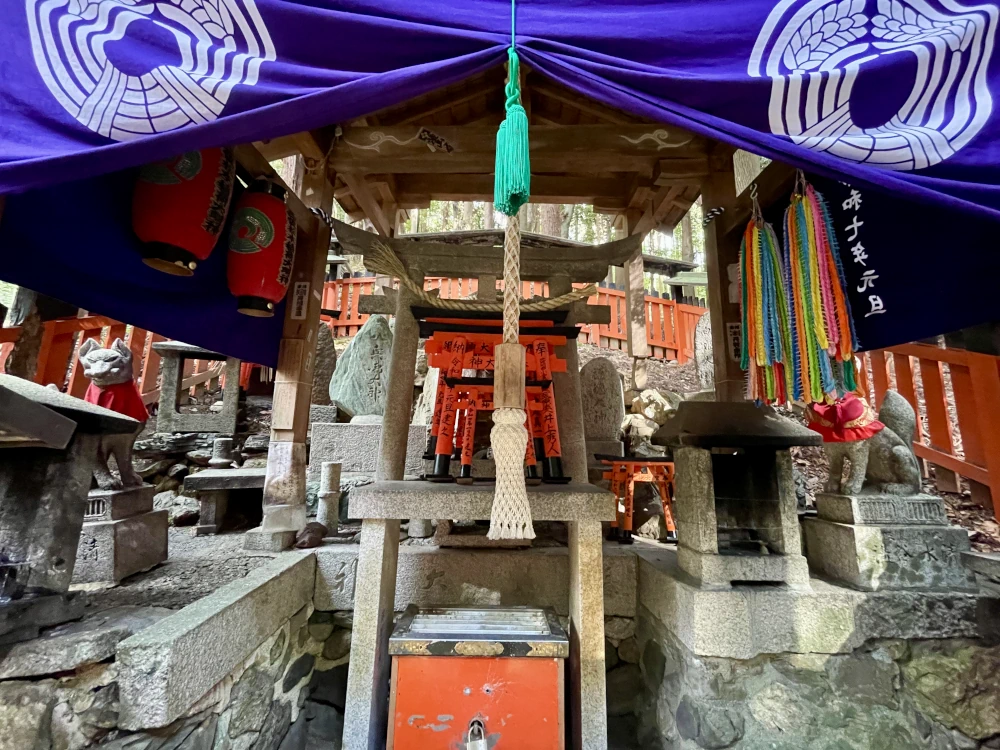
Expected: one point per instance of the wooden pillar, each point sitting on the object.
(285, 481)
(722, 264)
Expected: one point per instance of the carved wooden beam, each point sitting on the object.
(544, 188)
(471, 148)
(366, 201)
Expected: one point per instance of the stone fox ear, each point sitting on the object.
(119, 346)
(88, 346)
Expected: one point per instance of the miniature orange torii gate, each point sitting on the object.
(455, 345)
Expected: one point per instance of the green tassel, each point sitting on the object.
(512, 182)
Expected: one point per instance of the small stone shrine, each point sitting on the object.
(581, 505)
(168, 418)
(879, 535)
(50, 444)
(736, 509)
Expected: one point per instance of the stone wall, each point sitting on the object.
(287, 695)
(885, 695)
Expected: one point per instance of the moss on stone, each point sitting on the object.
(957, 685)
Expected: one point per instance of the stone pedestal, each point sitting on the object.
(356, 448)
(588, 701)
(173, 355)
(368, 678)
(875, 542)
(122, 535)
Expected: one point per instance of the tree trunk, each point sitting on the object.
(488, 216)
(416, 221)
(687, 252)
(687, 241)
(468, 209)
(23, 358)
(552, 220)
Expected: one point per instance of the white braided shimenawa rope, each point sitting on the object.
(382, 259)
(510, 517)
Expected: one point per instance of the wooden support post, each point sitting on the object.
(721, 261)
(938, 423)
(285, 481)
(986, 387)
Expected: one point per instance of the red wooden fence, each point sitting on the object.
(669, 325)
(59, 361)
(958, 392)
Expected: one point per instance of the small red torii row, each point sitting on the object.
(459, 400)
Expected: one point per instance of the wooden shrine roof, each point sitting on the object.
(440, 146)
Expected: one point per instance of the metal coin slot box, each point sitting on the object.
(472, 679)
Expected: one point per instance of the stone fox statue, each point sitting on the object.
(880, 453)
(112, 386)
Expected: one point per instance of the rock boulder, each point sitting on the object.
(361, 379)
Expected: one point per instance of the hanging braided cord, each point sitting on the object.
(384, 260)
(511, 280)
(510, 517)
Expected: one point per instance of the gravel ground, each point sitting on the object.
(662, 375)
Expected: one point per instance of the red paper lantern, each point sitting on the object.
(261, 249)
(179, 208)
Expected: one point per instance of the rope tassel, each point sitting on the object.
(510, 517)
(512, 180)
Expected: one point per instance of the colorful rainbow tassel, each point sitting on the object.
(822, 329)
(766, 339)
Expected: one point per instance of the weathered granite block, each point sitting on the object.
(722, 570)
(872, 558)
(549, 502)
(882, 509)
(429, 577)
(74, 645)
(113, 550)
(165, 669)
(746, 621)
(356, 447)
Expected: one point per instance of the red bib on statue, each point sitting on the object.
(123, 398)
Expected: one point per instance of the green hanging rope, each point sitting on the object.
(512, 182)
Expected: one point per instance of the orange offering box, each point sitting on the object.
(460, 675)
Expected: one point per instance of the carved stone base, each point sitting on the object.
(879, 542)
(113, 550)
(875, 510)
(262, 540)
(722, 570)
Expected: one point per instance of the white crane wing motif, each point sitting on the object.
(813, 51)
(220, 44)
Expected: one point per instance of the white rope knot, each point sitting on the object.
(511, 514)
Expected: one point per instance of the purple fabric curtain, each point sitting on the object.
(894, 96)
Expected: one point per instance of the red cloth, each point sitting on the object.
(847, 420)
(123, 398)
